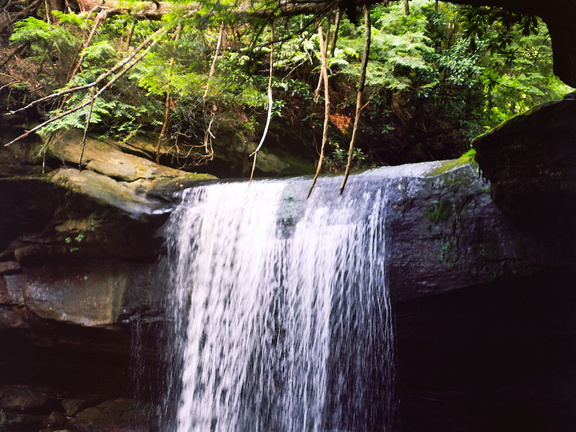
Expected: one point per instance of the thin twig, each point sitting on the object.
(208, 135)
(214, 60)
(12, 53)
(92, 97)
(168, 99)
(270, 98)
(99, 18)
(8, 85)
(336, 30)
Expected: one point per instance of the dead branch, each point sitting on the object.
(336, 30)
(11, 17)
(12, 53)
(214, 61)
(361, 82)
(208, 135)
(324, 72)
(101, 16)
(270, 104)
(88, 118)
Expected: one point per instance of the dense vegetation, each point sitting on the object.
(201, 76)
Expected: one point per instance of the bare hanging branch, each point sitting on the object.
(324, 72)
(361, 82)
(270, 103)
(336, 30)
(208, 135)
(101, 16)
(321, 76)
(214, 61)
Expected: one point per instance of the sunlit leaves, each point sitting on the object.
(440, 64)
(44, 38)
(99, 54)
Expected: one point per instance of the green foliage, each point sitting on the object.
(74, 242)
(42, 36)
(98, 54)
(436, 77)
(337, 159)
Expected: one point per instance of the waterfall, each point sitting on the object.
(279, 309)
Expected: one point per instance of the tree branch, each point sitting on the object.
(324, 72)
(361, 82)
(270, 104)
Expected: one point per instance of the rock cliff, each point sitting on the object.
(78, 279)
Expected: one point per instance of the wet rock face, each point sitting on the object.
(77, 268)
(80, 246)
(90, 293)
(446, 234)
(98, 268)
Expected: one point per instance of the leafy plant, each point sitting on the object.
(435, 77)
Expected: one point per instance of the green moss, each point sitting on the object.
(449, 165)
(297, 166)
(447, 256)
(198, 176)
(439, 211)
(525, 122)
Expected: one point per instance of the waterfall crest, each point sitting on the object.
(280, 312)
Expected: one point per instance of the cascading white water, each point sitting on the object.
(281, 316)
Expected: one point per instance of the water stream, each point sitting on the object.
(280, 312)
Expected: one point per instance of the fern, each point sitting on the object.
(98, 54)
(43, 37)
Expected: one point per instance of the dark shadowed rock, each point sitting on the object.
(119, 415)
(530, 162)
(10, 267)
(9, 318)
